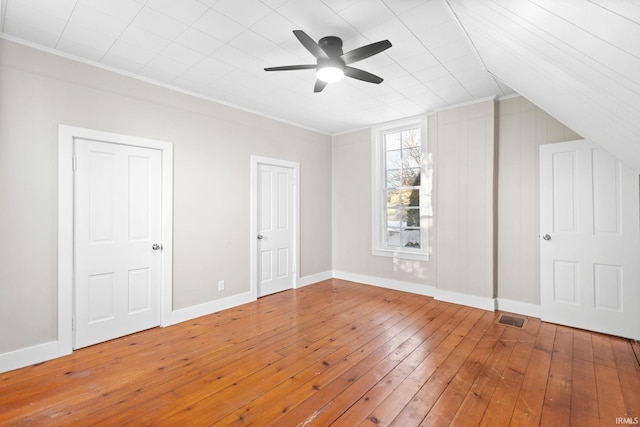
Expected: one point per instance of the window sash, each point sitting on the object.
(402, 161)
(398, 225)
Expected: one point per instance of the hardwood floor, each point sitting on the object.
(336, 353)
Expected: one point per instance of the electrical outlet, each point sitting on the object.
(221, 285)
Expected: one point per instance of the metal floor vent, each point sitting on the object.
(516, 322)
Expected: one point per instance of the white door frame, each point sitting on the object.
(253, 233)
(66, 137)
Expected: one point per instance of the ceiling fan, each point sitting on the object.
(332, 63)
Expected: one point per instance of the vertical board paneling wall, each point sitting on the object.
(465, 209)
(523, 127)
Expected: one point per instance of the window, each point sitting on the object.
(400, 198)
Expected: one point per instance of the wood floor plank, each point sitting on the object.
(219, 360)
(303, 385)
(584, 393)
(530, 401)
(356, 379)
(610, 398)
(557, 408)
(395, 402)
(455, 368)
(335, 353)
(362, 409)
(635, 345)
(476, 401)
(350, 335)
(504, 398)
(221, 379)
(628, 369)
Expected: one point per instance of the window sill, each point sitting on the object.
(394, 253)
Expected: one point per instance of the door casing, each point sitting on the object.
(253, 233)
(66, 137)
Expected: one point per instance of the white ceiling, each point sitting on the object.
(579, 60)
(219, 49)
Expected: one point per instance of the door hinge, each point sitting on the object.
(73, 323)
(74, 163)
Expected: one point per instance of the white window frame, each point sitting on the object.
(378, 231)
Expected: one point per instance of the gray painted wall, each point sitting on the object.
(351, 215)
(522, 128)
(467, 178)
(212, 148)
(465, 199)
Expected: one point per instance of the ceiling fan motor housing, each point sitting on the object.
(332, 46)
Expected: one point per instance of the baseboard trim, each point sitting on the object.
(188, 313)
(489, 304)
(398, 285)
(31, 355)
(469, 300)
(314, 278)
(518, 307)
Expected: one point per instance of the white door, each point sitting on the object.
(276, 267)
(117, 226)
(590, 239)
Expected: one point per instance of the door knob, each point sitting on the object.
(546, 237)
(260, 237)
(156, 247)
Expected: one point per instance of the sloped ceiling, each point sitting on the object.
(577, 59)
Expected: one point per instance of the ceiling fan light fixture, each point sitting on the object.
(331, 64)
(330, 73)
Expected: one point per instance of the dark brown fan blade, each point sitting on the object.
(365, 51)
(356, 73)
(309, 44)
(320, 84)
(291, 67)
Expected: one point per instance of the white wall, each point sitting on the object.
(212, 148)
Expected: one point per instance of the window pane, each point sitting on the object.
(411, 157)
(414, 197)
(411, 217)
(394, 159)
(394, 237)
(411, 137)
(411, 238)
(392, 141)
(411, 177)
(410, 197)
(393, 198)
(394, 178)
(392, 217)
